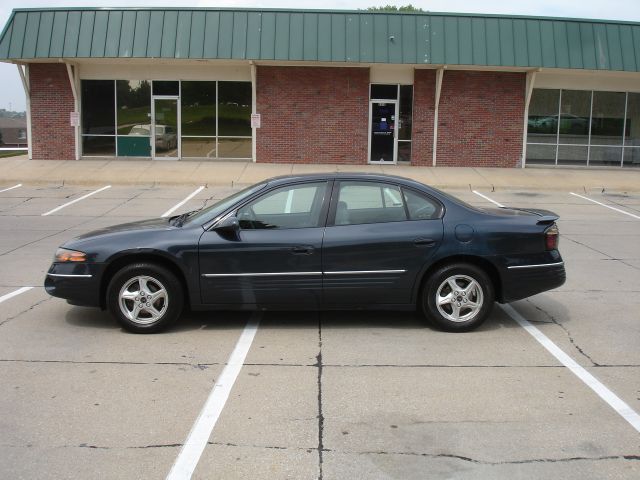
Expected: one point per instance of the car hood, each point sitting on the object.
(152, 224)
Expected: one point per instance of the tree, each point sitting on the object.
(393, 8)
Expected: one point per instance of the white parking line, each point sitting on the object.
(615, 402)
(74, 201)
(11, 188)
(604, 205)
(487, 198)
(15, 293)
(175, 207)
(197, 440)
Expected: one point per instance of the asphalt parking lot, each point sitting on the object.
(329, 395)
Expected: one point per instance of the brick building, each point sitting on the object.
(338, 87)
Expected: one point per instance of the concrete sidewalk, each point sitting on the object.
(118, 172)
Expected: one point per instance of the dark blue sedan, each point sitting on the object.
(325, 241)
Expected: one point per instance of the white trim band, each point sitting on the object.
(537, 265)
(363, 272)
(267, 274)
(278, 274)
(69, 275)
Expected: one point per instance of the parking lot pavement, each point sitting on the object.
(327, 395)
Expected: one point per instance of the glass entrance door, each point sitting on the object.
(383, 138)
(165, 132)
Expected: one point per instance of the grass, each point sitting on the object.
(5, 154)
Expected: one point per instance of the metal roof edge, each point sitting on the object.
(7, 25)
(326, 11)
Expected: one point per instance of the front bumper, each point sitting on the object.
(77, 283)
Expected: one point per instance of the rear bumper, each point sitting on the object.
(526, 280)
(78, 284)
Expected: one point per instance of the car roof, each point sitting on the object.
(342, 175)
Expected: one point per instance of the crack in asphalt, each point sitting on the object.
(320, 414)
(609, 257)
(627, 457)
(566, 331)
(506, 462)
(204, 366)
(200, 366)
(8, 319)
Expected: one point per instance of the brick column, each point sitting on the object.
(481, 119)
(312, 115)
(424, 91)
(52, 137)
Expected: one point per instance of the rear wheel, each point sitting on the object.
(145, 297)
(458, 297)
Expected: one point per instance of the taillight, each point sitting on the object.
(552, 237)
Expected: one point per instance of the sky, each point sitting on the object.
(12, 93)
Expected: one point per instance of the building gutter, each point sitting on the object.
(254, 130)
(24, 76)
(531, 78)
(439, 76)
(72, 72)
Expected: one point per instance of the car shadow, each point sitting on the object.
(539, 309)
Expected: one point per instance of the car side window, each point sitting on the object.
(420, 207)
(369, 202)
(291, 206)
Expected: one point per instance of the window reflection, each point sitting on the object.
(98, 107)
(199, 147)
(199, 108)
(234, 147)
(234, 109)
(592, 129)
(607, 118)
(574, 116)
(134, 107)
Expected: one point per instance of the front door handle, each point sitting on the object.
(302, 250)
(424, 242)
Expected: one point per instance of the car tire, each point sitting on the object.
(458, 297)
(145, 297)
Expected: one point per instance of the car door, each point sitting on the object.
(275, 256)
(378, 239)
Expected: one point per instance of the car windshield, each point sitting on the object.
(139, 130)
(207, 214)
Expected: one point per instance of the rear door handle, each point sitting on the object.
(302, 250)
(424, 242)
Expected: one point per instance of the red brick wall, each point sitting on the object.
(312, 115)
(481, 119)
(424, 88)
(51, 103)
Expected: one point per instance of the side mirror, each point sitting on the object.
(228, 226)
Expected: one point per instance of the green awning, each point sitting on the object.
(321, 36)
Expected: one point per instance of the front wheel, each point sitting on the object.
(458, 297)
(145, 297)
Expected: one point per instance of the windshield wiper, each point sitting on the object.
(180, 219)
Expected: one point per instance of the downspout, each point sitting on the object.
(72, 72)
(24, 76)
(439, 75)
(531, 77)
(254, 130)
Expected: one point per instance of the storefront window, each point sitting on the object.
(542, 126)
(134, 106)
(234, 109)
(98, 107)
(164, 87)
(592, 130)
(215, 118)
(607, 118)
(575, 106)
(98, 118)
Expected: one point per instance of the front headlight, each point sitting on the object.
(65, 255)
